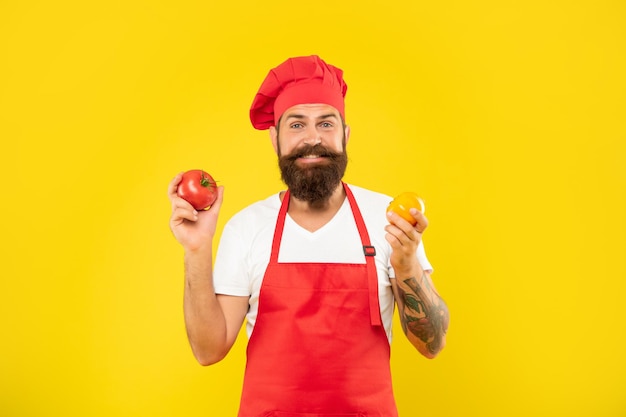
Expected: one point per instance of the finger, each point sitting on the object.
(398, 237)
(402, 234)
(393, 236)
(173, 186)
(180, 214)
(399, 222)
(422, 221)
(178, 202)
(217, 204)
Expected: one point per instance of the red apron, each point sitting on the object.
(318, 347)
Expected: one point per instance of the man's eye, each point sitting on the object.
(327, 124)
(296, 125)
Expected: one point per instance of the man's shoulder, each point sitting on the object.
(368, 196)
(373, 206)
(257, 212)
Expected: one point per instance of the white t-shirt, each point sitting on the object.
(246, 243)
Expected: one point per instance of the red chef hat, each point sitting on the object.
(299, 80)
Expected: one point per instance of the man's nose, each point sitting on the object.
(313, 137)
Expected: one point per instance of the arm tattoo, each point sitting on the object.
(423, 313)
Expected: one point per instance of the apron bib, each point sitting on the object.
(318, 347)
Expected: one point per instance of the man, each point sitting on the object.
(315, 269)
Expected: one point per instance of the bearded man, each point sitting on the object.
(316, 270)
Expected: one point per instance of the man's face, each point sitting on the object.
(311, 145)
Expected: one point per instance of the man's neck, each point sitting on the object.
(314, 216)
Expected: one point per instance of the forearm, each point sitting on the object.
(204, 318)
(423, 313)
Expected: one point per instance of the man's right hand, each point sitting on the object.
(193, 229)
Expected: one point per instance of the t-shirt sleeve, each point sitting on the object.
(230, 275)
(423, 260)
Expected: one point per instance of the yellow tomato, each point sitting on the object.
(405, 202)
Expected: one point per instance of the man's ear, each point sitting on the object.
(274, 137)
(347, 133)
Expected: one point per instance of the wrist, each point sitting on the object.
(414, 271)
(200, 254)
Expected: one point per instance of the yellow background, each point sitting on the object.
(507, 116)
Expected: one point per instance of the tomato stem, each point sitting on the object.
(204, 181)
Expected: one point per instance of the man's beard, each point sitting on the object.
(316, 183)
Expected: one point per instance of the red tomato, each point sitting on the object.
(198, 188)
(403, 203)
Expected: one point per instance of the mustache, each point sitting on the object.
(317, 149)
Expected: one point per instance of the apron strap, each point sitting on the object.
(370, 252)
(280, 225)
